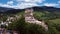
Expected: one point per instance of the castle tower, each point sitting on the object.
(29, 12)
(29, 15)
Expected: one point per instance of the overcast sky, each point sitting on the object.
(20, 4)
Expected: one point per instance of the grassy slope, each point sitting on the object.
(57, 21)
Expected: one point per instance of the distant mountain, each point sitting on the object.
(36, 8)
(4, 9)
(14, 11)
(45, 8)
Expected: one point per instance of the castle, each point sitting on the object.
(30, 18)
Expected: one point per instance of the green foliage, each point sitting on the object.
(46, 15)
(26, 28)
(51, 19)
(52, 28)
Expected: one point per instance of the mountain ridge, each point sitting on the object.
(35, 8)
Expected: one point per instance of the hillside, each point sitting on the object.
(45, 8)
(49, 15)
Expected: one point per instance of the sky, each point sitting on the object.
(21, 4)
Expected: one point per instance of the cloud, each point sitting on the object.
(21, 4)
(50, 4)
(10, 2)
(25, 5)
(31, 1)
(58, 1)
(6, 5)
(28, 3)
